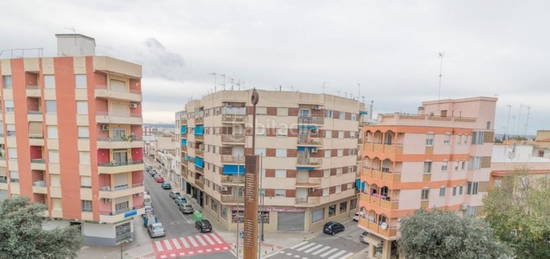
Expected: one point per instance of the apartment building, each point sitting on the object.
(71, 138)
(437, 158)
(308, 148)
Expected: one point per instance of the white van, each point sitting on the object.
(147, 201)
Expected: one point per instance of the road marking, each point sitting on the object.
(191, 252)
(329, 252)
(311, 249)
(289, 254)
(198, 237)
(200, 251)
(217, 249)
(337, 255)
(298, 245)
(167, 244)
(182, 254)
(193, 242)
(208, 250)
(184, 242)
(305, 247)
(215, 238)
(163, 256)
(176, 243)
(208, 239)
(320, 250)
(347, 256)
(172, 255)
(159, 246)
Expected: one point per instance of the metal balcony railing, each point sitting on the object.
(311, 119)
(121, 163)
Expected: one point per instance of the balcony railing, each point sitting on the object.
(233, 138)
(233, 179)
(233, 159)
(394, 148)
(383, 229)
(310, 161)
(3, 179)
(121, 163)
(39, 183)
(119, 187)
(305, 140)
(34, 112)
(239, 118)
(311, 181)
(380, 201)
(311, 120)
(38, 160)
(199, 152)
(386, 177)
(232, 198)
(128, 138)
(199, 120)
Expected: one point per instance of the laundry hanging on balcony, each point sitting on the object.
(233, 169)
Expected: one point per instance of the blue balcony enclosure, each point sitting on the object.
(199, 162)
(199, 130)
(183, 129)
(304, 149)
(183, 142)
(358, 184)
(305, 168)
(233, 169)
(363, 112)
(188, 158)
(307, 127)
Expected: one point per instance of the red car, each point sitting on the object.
(159, 179)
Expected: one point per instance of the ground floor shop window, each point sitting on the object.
(332, 210)
(123, 232)
(318, 215)
(353, 204)
(223, 213)
(343, 207)
(237, 216)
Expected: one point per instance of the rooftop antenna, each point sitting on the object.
(441, 54)
(239, 84)
(215, 76)
(526, 125)
(358, 90)
(324, 86)
(506, 131)
(223, 82)
(232, 80)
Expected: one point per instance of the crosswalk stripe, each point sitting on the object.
(215, 238)
(337, 255)
(329, 252)
(320, 250)
(167, 244)
(347, 256)
(193, 242)
(298, 245)
(313, 248)
(185, 244)
(159, 246)
(176, 243)
(304, 247)
(208, 239)
(200, 240)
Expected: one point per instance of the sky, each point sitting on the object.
(386, 51)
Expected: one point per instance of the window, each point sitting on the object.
(84, 157)
(338, 171)
(447, 139)
(86, 206)
(327, 153)
(260, 131)
(343, 206)
(463, 165)
(353, 204)
(9, 106)
(444, 165)
(14, 176)
(427, 167)
(282, 132)
(326, 173)
(472, 188)
(328, 113)
(325, 192)
(280, 173)
(454, 191)
(338, 188)
(259, 151)
(460, 190)
(465, 139)
(318, 215)
(459, 139)
(11, 129)
(7, 82)
(340, 134)
(342, 116)
(52, 132)
(80, 81)
(121, 207)
(475, 163)
(261, 110)
(280, 193)
(353, 117)
(304, 113)
(82, 107)
(53, 156)
(51, 107)
(12, 153)
(488, 125)
(49, 81)
(83, 132)
(442, 192)
(340, 152)
(328, 134)
(282, 111)
(332, 210)
(429, 139)
(478, 137)
(85, 182)
(425, 194)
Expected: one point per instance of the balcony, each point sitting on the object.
(199, 152)
(232, 199)
(379, 202)
(382, 178)
(311, 120)
(199, 120)
(308, 201)
(230, 159)
(383, 229)
(120, 167)
(120, 142)
(307, 183)
(200, 182)
(118, 95)
(3, 183)
(109, 192)
(309, 141)
(405, 118)
(36, 141)
(233, 139)
(111, 118)
(384, 148)
(234, 118)
(35, 116)
(39, 187)
(38, 164)
(232, 179)
(33, 91)
(117, 216)
(308, 162)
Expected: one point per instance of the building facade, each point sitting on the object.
(71, 138)
(437, 158)
(308, 148)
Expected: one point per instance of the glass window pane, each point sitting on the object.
(80, 81)
(49, 81)
(51, 107)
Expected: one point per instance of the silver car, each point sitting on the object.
(156, 230)
(186, 208)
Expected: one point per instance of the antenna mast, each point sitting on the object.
(440, 76)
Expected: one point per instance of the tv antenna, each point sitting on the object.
(441, 54)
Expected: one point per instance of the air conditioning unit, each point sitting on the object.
(316, 107)
(104, 127)
(133, 105)
(224, 188)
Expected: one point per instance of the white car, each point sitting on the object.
(156, 230)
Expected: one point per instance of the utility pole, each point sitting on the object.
(250, 244)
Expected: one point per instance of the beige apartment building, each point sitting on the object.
(308, 148)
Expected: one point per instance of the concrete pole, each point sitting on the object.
(250, 242)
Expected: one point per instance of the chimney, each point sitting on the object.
(75, 45)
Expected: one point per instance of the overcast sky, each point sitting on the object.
(492, 48)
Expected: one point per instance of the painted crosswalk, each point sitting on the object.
(189, 245)
(308, 249)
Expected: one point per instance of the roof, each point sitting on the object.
(67, 35)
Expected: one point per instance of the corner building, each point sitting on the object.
(308, 148)
(70, 138)
(437, 158)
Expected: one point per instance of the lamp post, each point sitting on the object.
(250, 244)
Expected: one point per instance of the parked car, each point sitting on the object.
(186, 208)
(159, 179)
(156, 230)
(333, 228)
(147, 201)
(180, 200)
(149, 219)
(363, 237)
(174, 194)
(203, 226)
(152, 172)
(166, 186)
(148, 209)
(356, 216)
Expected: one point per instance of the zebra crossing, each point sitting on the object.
(308, 250)
(189, 245)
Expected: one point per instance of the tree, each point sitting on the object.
(22, 235)
(444, 234)
(518, 209)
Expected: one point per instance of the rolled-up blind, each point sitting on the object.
(35, 129)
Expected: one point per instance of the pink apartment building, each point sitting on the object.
(437, 158)
(71, 131)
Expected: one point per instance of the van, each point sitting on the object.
(147, 201)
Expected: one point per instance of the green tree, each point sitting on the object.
(22, 235)
(518, 209)
(444, 234)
